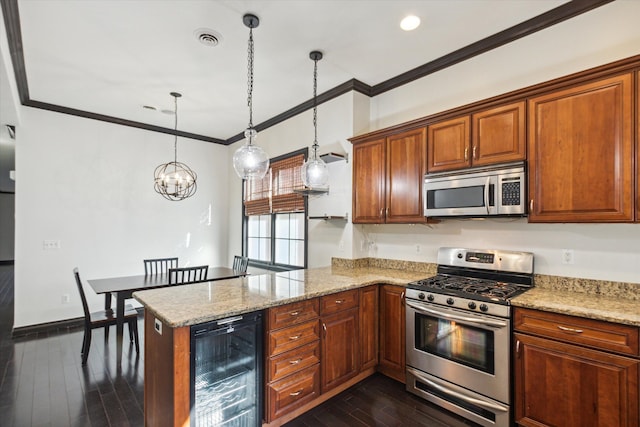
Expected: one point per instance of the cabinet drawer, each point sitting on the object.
(338, 302)
(577, 330)
(292, 361)
(291, 314)
(294, 336)
(293, 391)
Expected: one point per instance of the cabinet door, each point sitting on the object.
(368, 327)
(563, 384)
(448, 145)
(392, 332)
(339, 357)
(638, 148)
(369, 181)
(406, 162)
(498, 135)
(580, 153)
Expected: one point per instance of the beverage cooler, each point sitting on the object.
(226, 372)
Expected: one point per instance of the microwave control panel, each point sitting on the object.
(511, 192)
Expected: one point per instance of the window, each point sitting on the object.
(275, 216)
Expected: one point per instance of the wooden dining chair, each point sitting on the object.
(103, 319)
(159, 265)
(183, 275)
(240, 263)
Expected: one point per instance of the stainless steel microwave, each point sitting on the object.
(476, 192)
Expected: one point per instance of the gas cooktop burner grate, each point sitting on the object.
(466, 286)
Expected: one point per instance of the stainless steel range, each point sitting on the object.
(459, 332)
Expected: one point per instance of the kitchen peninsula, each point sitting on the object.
(167, 355)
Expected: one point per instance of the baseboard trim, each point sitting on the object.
(64, 325)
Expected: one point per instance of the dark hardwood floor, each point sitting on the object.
(42, 383)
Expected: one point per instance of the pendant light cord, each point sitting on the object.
(175, 129)
(250, 78)
(315, 108)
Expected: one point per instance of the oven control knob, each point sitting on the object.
(472, 305)
(421, 295)
(430, 297)
(484, 307)
(450, 301)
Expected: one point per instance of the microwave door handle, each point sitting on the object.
(486, 193)
(455, 317)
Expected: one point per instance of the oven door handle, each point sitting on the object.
(485, 322)
(483, 404)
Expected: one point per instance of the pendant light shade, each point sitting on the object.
(250, 161)
(315, 173)
(175, 180)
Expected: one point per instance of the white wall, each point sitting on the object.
(89, 184)
(336, 121)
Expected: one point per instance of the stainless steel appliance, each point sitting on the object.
(476, 192)
(226, 372)
(459, 332)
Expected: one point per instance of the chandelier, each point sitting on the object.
(250, 161)
(315, 173)
(174, 180)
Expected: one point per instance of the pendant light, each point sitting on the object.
(174, 180)
(250, 161)
(315, 174)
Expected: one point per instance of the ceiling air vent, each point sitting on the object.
(208, 37)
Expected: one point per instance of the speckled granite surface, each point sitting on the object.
(202, 302)
(198, 303)
(594, 299)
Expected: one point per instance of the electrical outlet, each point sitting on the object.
(48, 245)
(418, 249)
(65, 299)
(341, 245)
(567, 256)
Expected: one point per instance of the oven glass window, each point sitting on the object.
(455, 341)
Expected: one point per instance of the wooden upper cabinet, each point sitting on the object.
(638, 148)
(369, 166)
(492, 136)
(448, 145)
(406, 162)
(498, 135)
(387, 178)
(581, 153)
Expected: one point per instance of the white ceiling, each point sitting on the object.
(112, 57)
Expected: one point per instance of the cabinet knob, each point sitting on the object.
(295, 362)
(531, 205)
(324, 328)
(295, 337)
(575, 331)
(294, 313)
(340, 301)
(466, 153)
(474, 152)
(296, 393)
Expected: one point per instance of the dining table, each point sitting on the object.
(123, 288)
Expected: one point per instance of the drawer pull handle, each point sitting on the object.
(340, 301)
(296, 393)
(295, 362)
(295, 337)
(294, 313)
(564, 328)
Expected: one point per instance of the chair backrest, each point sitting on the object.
(159, 265)
(240, 263)
(188, 274)
(85, 306)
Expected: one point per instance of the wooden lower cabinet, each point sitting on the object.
(340, 358)
(368, 327)
(562, 382)
(293, 391)
(391, 360)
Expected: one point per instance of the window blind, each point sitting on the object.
(274, 193)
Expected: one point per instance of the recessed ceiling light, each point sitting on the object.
(410, 22)
(208, 37)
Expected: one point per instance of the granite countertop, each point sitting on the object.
(197, 303)
(186, 305)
